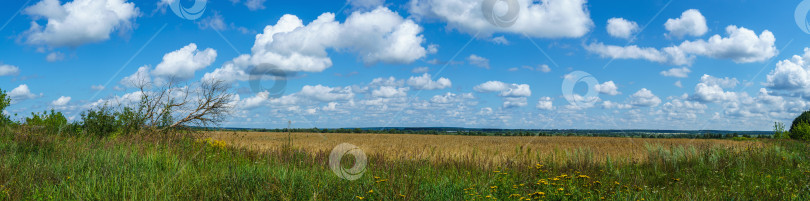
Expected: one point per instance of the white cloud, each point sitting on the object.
(678, 84)
(450, 98)
(612, 105)
(326, 94)
(389, 91)
(608, 88)
(741, 46)
(683, 109)
(644, 98)
(55, 56)
(78, 22)
(681, 72)
(422, 69)
(791, 74)
(139, 77)
(425, 82)
(184, 62)
(500, 40)
(545, 103)
(380, 35)
(97, 87)
(215, 22)
(8, 70)
(547, 19)
(254, 5)
(61, 101)
(478, 61)
(365, 4)
(725, 82)
(514, 95)
(260, 99)
(513, 102)
(690, 23)
(543, 68)
(21, 93)
(711, 89)
(506, 90)
(621, 28)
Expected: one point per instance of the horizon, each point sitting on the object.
(584, 65)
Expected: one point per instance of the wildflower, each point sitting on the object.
(359, 198)
(371, 191)
(560, 189)
(583, 177)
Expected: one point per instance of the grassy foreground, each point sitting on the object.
(48, 167)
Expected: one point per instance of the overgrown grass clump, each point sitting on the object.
(40, 166)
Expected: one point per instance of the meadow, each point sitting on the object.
(224, 166)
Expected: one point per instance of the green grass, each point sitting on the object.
(49, 167)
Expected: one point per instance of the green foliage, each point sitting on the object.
(779, 131)
(5, 101)
(99, 122)
(49, 123)
(800, 129)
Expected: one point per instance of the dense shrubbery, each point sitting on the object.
(800, 129)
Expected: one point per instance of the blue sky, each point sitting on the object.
(730, 65)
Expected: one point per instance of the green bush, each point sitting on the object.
(99, 122)
(800, 129)
(49, 123)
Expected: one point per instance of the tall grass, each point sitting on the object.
(49, 167)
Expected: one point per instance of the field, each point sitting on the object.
(258, 166)
(490, 150)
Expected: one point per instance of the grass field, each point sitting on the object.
(490, 150)
(49, 167)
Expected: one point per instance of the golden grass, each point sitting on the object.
(487, 149)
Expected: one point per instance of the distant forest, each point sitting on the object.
(704, 134)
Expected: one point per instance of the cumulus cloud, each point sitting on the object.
(325, 93)
(182, 63)
(681, 72)
(61, 101)
(478, 61)
(389, 91)
(612, 105)
(506, 90)
(547, 19)
(513, 102)
(621, 28)
(711, 89)
(78, 22)
(514, 95)
(741, 46)
(260, 99)
(139, 77)
(690, 23)
(792, 75)
(608, 88)
(451, 98)
(683, 109)
(380, 35)
(545, 103)
(21, 93)
(644, 98)
(8, 70)
(425, 82)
